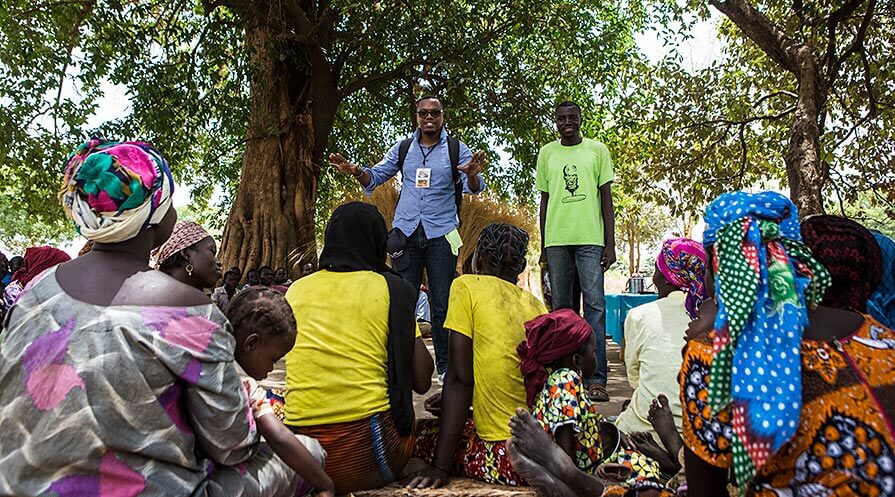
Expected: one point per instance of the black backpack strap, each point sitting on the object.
(454, 154)
(403, 147)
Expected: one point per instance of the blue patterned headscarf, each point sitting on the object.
(765, 278)
(882, 303)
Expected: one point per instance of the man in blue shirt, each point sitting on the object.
(427, 210)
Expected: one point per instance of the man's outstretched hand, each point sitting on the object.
(475, 165)
(342, 164)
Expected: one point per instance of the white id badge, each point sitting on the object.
(422, 177)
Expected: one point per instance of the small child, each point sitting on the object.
(264, 328)
(557, 353)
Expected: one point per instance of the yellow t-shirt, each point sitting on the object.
(336, 372)
(492, 312)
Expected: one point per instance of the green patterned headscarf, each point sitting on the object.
(765, 279)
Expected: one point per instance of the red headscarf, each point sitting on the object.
(548, 338)
(38, 260)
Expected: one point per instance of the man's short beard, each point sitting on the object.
(436, 131)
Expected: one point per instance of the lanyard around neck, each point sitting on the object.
(425, 153)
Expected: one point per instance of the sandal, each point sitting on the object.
(597, 393)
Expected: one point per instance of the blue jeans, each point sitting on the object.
(561, 263)
(440, 263)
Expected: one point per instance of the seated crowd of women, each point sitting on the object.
(116, 379)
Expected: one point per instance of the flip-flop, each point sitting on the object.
(597, 393)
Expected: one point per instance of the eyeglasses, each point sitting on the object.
(427, 113)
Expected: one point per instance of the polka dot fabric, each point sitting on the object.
(764, 282)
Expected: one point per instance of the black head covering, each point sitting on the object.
(356, 240)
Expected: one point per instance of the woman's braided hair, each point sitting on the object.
(503, 247)
(263, 310)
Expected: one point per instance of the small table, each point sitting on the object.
(617, 307)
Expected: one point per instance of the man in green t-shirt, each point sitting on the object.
(574, 176)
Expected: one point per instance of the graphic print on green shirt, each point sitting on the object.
(572, 176)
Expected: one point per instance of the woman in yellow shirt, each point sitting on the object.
(486, 315)
(357, 355)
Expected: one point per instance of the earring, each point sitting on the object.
(189, 269)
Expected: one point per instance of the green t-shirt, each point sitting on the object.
(572, 176)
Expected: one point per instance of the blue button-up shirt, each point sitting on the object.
(435, 206)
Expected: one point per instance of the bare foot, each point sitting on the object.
(537, 445)
(646, 445)
(663, 422)
(544, 483)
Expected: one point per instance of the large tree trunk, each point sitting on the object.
(804, 168)
(271, 221)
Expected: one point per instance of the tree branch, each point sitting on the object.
(745, 156)
(833, 22)
(837, 190)
(743, 122)
(856, 44)
(368, 80)
(49, 5)
(758, 28)
(86, 8)
(862, 121)
(293, 11)
(774, 94)
(868, 86)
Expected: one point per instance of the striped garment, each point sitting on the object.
(364, 454)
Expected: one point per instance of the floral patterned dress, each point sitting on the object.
(844, 442)
(564, 402)
(125, 401)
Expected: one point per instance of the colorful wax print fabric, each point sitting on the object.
(843, 443)
(563, 402)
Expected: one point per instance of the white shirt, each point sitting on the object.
(654, 337)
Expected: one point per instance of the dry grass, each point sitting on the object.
(477, 212)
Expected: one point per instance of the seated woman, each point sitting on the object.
(654, 336)
(190, 256)
(357, 355)
(486, 315)
(116, 379)
(781, 380)
(36, 261)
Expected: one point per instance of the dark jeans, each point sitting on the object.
(561, 263)
(440, 263)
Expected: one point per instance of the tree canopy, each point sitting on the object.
(191, 73)
(239, 90)
(730, 124)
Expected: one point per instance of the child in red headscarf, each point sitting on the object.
(558, 350)
(557, 353)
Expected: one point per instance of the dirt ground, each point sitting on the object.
(618, 389)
